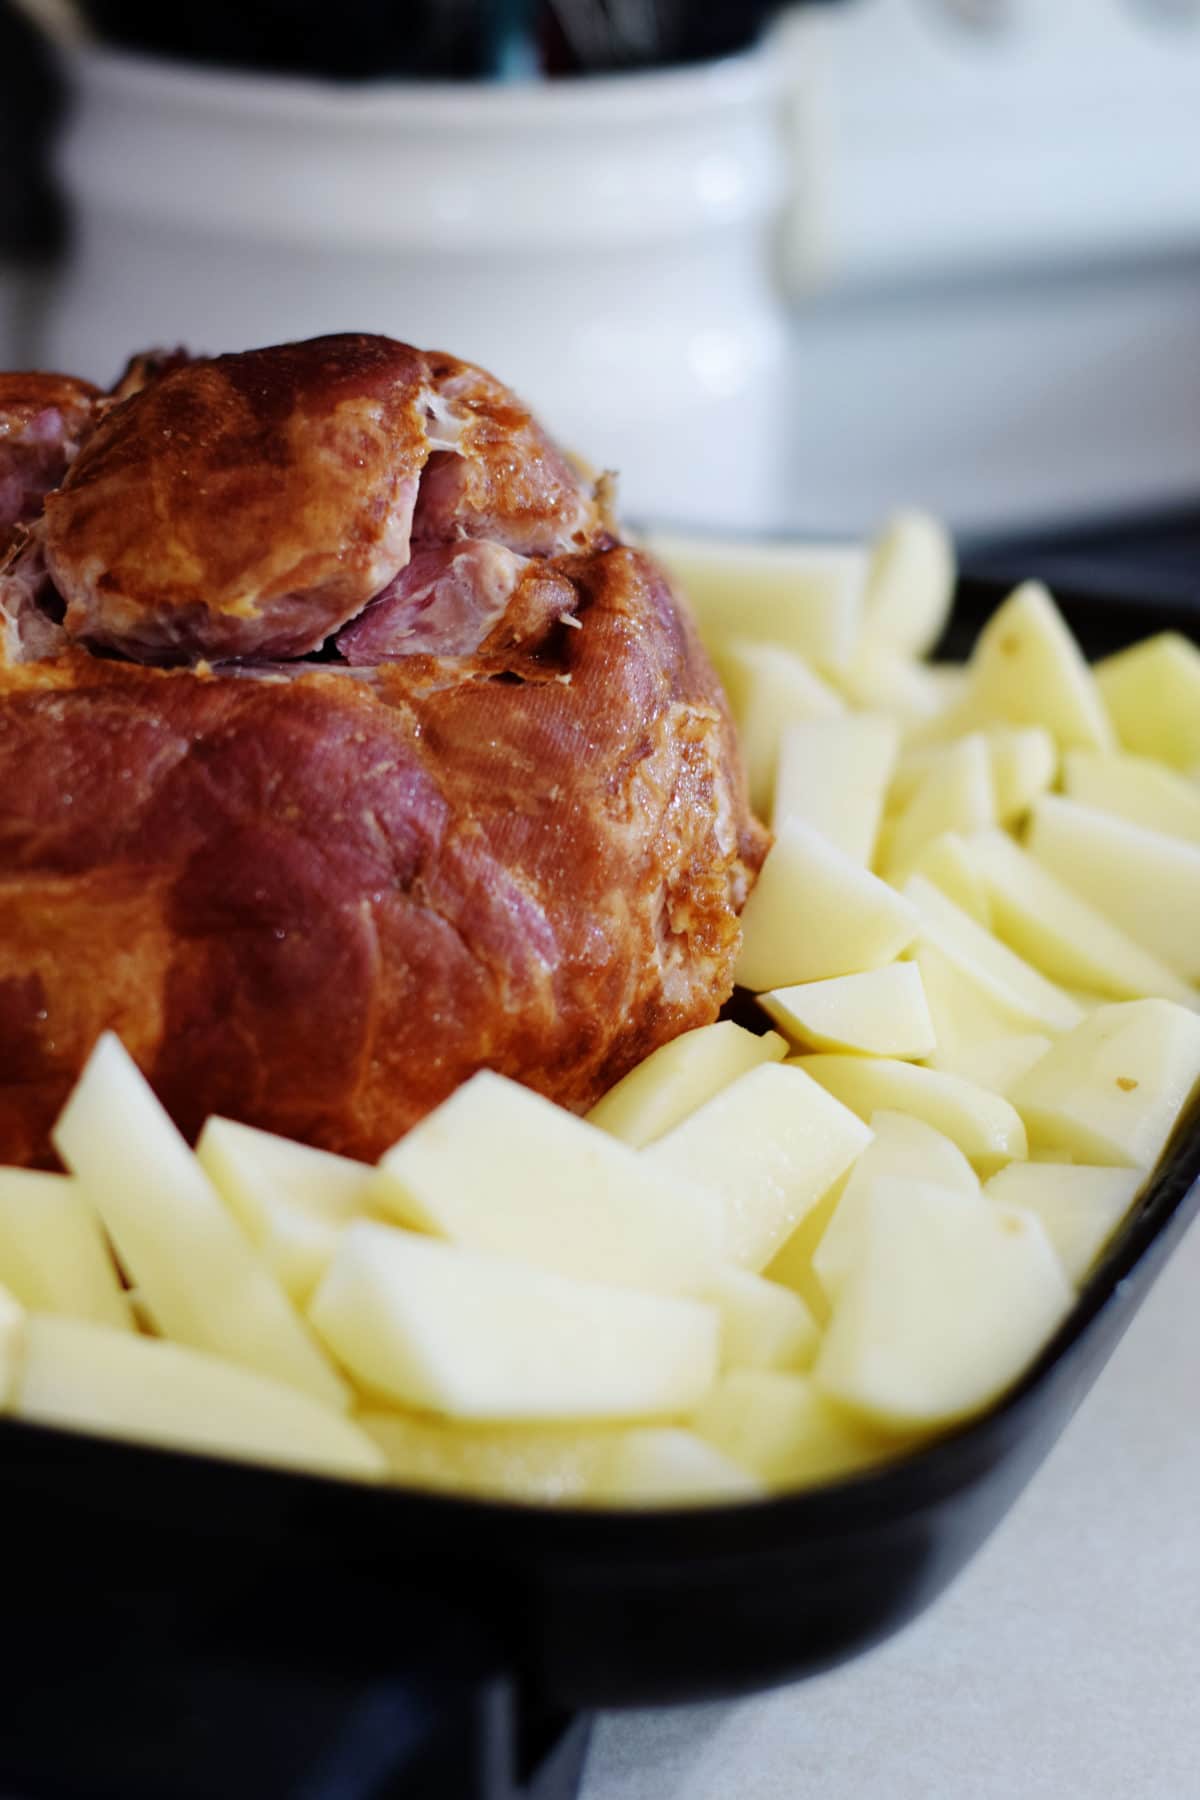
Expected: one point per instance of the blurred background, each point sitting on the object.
(783, 268)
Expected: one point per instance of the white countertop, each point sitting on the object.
(1064, 1664)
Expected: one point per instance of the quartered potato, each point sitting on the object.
(766, 1259)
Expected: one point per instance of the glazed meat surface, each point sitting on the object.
(500, 822)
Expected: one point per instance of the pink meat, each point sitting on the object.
(444, 603)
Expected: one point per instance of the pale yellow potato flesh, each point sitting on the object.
(1145, 882)
(12, 1346)
(946, 1306)
(668, 1466)
(680, 1076)
(945, 863)
(53, 1254)
(1027, 669)
(806, 597)
(1134, 788)
(986, 1128)
(546, 1463)
(291, 1200)
(771, 1146)
(199, 1276)
(1080, 1207)
(1152, 692)
(763, 1325)
(418, 1323)
(903, 1148)
(815, 913)
(833, 774)
(882, 1012)
(910, 583)
(769, 688)
(956, 794)
(116, 1384)
(964, 1013)
(1063, 935)
(995, 1063)
(498, 1169)
(787, 1432)
(1012, 985)
(1111, 1091)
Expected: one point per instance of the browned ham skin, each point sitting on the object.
(500, 823)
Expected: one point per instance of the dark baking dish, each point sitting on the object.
(180, 1627)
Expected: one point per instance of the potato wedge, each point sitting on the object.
(1011, 984)
(763, 1324)
(771, 1146)
(54, 1257)
(1146, 883)
(769, 688)
(946, 1307)
(198, 1275)
(986, 1128)
(1134, 788)
(423, 1324)
(815, 913)
(882, 1012)
(1112, 1090)
(666, 1466)
(833, 775)
(680, 1076)
(1027, 669)
(955, 795)
(903, 1148)
(1152, 692)
(553, 1463)
(498, 1169)
(115, 1384)
(785, 1431)
(1080, 1207)
(12, 1347)
(910, 583)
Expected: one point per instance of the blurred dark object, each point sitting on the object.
(432, 39)
(30, 216)
(1150, 560)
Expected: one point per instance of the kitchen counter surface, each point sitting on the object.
(1064, 1664)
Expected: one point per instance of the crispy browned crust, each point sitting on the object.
(317, 898)
(318, 903)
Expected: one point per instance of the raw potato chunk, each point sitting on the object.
(785, 1431)
(833, 775)
(1144, 882)
(808, 597)
(664, 1466)
(769, 688)
(771, 1146)
(946, 863)
(910, 583)
(879, 678)
(291, 1201)
(1048, 923)
(879, 1013)
(792, 1264)
(680, 1076)
(996, 1063)
(1027, 669)
(12, 1347)
(1024, 764)
(815, 913)
(955, 795)
(423, 1324)
(905, 1149)
(512, 1462)
(1112, 1090)
(118, 1385)
(986, 1128)
(946, 1307)
(53, 1255)
(763, 1325)
(198, 1275)
(1080, 1207)
(1134, 788)
(496, 1168)
(964, 1014)
(1153, 694)
(1010, 983)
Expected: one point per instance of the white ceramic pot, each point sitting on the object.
(605, 245)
